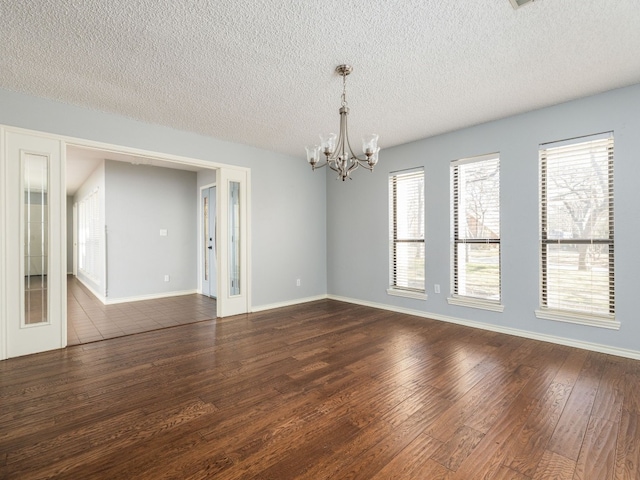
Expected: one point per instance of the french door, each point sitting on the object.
(233, 241)
(34, 249)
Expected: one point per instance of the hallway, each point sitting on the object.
(89, 320)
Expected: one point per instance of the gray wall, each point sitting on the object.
(361, 272)
(205, 177)
(287, 200)
(140, 201)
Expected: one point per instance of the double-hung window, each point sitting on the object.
(576, 231)
(406, 233)
(475, 232)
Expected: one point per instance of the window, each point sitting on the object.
(406, 233)
(475, 232)
(576, 231)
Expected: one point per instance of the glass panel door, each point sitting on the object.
(233, 187)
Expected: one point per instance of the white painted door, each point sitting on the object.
(233, 240)
(35, 247)
(209, 250)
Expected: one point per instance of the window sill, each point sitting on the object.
(601, 321)
(476, 303)
(407, 294)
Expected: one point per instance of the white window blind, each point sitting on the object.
(406, 230)
(576, 220)
(475, 212)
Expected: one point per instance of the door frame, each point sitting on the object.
(3, 255)
(223, 169)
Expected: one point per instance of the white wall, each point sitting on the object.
(287, 200)
(358, 241)
(140, 201)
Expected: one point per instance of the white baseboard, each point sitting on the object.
(289, 303)
(99, 296)
(152, 296)
(595, 347)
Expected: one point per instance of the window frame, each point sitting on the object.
(468, 300)
(582, 317)
(394, 241)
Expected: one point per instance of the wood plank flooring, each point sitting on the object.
(324, 390)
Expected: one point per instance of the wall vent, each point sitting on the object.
(519, 3)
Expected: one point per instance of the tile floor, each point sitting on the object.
(89, 320)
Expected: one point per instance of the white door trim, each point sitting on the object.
(3, 256)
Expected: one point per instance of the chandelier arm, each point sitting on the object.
(320, 165)
(365, 164)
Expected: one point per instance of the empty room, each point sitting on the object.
(320, 240)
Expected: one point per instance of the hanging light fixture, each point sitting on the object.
(337, 148)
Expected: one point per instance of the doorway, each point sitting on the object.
(136, 240)
(233, 286)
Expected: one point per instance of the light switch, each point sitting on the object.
(163, 232)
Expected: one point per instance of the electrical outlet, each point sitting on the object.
(297, 282)
(436, 288)
(166, 278)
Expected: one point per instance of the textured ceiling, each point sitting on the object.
(261, 72)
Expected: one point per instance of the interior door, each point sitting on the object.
(233, 240)
(35, 246)
(209, 261)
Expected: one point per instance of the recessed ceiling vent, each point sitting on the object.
(519, 3)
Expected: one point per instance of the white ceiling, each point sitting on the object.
(261, 72)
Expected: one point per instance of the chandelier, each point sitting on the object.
(337, 148)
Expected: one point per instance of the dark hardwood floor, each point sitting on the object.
(325, 390)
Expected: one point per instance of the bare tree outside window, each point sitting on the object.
(577, 226)
(476, 227)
